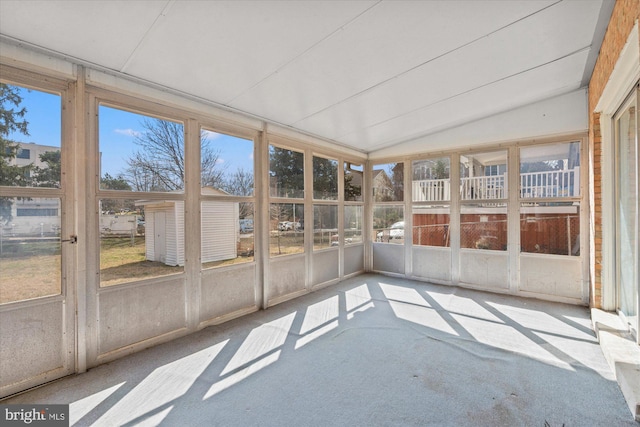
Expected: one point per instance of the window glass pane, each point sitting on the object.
(430, 180)
(388, 182)
(627, 219)
(483, 227)
(483, 175)
(23, 153)
(353, 216)
(388, 223)
(550, 228)
(226, 163)
(30, 153)
(286, 235)
(30, 252)
(227, 233)
(140, 153)
(325, 178)
(550, 170)
(286, 173)
(325, 226)
(431, 226)
(140, 239)
(353, 181)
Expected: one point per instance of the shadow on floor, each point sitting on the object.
(372, 350)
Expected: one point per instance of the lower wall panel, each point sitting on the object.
(353, 259)
(486, 269)
(286, 276)
(131, 314)
(225, 291)
(432, 263)
(388, 258)
(31, 342)
(551, 275)
(325, 266)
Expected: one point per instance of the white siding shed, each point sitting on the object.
(164, 231)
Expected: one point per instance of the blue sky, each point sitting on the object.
(43, 115)
(117, 133)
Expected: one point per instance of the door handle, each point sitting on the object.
(72, 239)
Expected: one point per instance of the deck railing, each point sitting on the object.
(483, 187)
(431, 190)
(559, 183)
(562, 183)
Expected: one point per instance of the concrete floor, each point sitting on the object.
(372, 350)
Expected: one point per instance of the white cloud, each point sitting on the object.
(219, 161)
(210, 134)
(128, 132)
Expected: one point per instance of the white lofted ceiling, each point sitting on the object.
(366, 74)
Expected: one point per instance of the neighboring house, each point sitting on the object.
(36, 217)
(382, 186)
(29, 153)
(116, 224)
(353, 181)
(33, 216)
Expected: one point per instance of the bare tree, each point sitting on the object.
(277, 213)
(239, 183)
(211, 171)
(158, 165)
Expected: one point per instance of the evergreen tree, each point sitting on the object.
(325, 178)
(107, 182)
(48, 176)
(286, 171)
(11, 120)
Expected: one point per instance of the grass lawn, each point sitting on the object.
(29, 277)
(121, 262)
(33, 269)
(286, 242)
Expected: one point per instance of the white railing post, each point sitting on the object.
(558, 183)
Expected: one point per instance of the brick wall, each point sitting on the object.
(624, 15)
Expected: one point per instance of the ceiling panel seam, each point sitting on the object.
(409, 70)
(309, 49)
(162, 14)
(576, 52)
(468, 120)
(46, 52)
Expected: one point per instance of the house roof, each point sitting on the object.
(365, 74)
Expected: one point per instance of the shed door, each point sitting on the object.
(160, 239)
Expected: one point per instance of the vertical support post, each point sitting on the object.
(76, 196)
(309, 220)
(408, 219)
(513, 219)
(341, 226)
(87, 182)
(454, 218)
(192, 227)
(367, 220)
(568, 235)
(261, 217)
